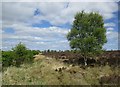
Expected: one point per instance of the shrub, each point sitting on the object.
(35, 52)
(29, 57)
(7, 58)
(19, 55)
(20, 52)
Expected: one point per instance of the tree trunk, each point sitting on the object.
(85, 61)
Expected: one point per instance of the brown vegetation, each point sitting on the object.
(111, 58)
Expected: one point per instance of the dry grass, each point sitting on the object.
(42, 72)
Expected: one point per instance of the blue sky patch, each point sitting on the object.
(66, 25)
(42, 24)
(9, 30)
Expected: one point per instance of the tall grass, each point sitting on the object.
(43, 72)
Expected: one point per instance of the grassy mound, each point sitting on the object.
(48, 71)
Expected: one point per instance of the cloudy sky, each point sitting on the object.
(44, 25)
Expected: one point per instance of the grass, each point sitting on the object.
(42, 72)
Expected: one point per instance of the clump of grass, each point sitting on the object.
(22, 75)
(93, 75)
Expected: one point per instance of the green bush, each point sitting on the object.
(19, 55)
(20, 52)
(29, 57)
(35, 52)
(7, 58)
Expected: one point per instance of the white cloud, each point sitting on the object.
(66, 15)
(112, 35)
(112, 40)
(55, 13)
(20, 16)
(17, 12)
(109, 24)
(110, 29)
(36, 33)
(45, 37)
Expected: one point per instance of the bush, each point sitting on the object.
(7, 58)
(29, 57)
(35, 52)
(20, 52)
(19, 55)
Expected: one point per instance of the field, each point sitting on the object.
(47, 70)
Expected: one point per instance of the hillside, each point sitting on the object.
(50, 71)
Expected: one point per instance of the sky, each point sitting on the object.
(44, 25)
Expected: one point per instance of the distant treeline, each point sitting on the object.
(57, 51)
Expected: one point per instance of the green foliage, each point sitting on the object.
(88, 34)
(7, 58)
(19, 55)
(34, 52)
(30, 54)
